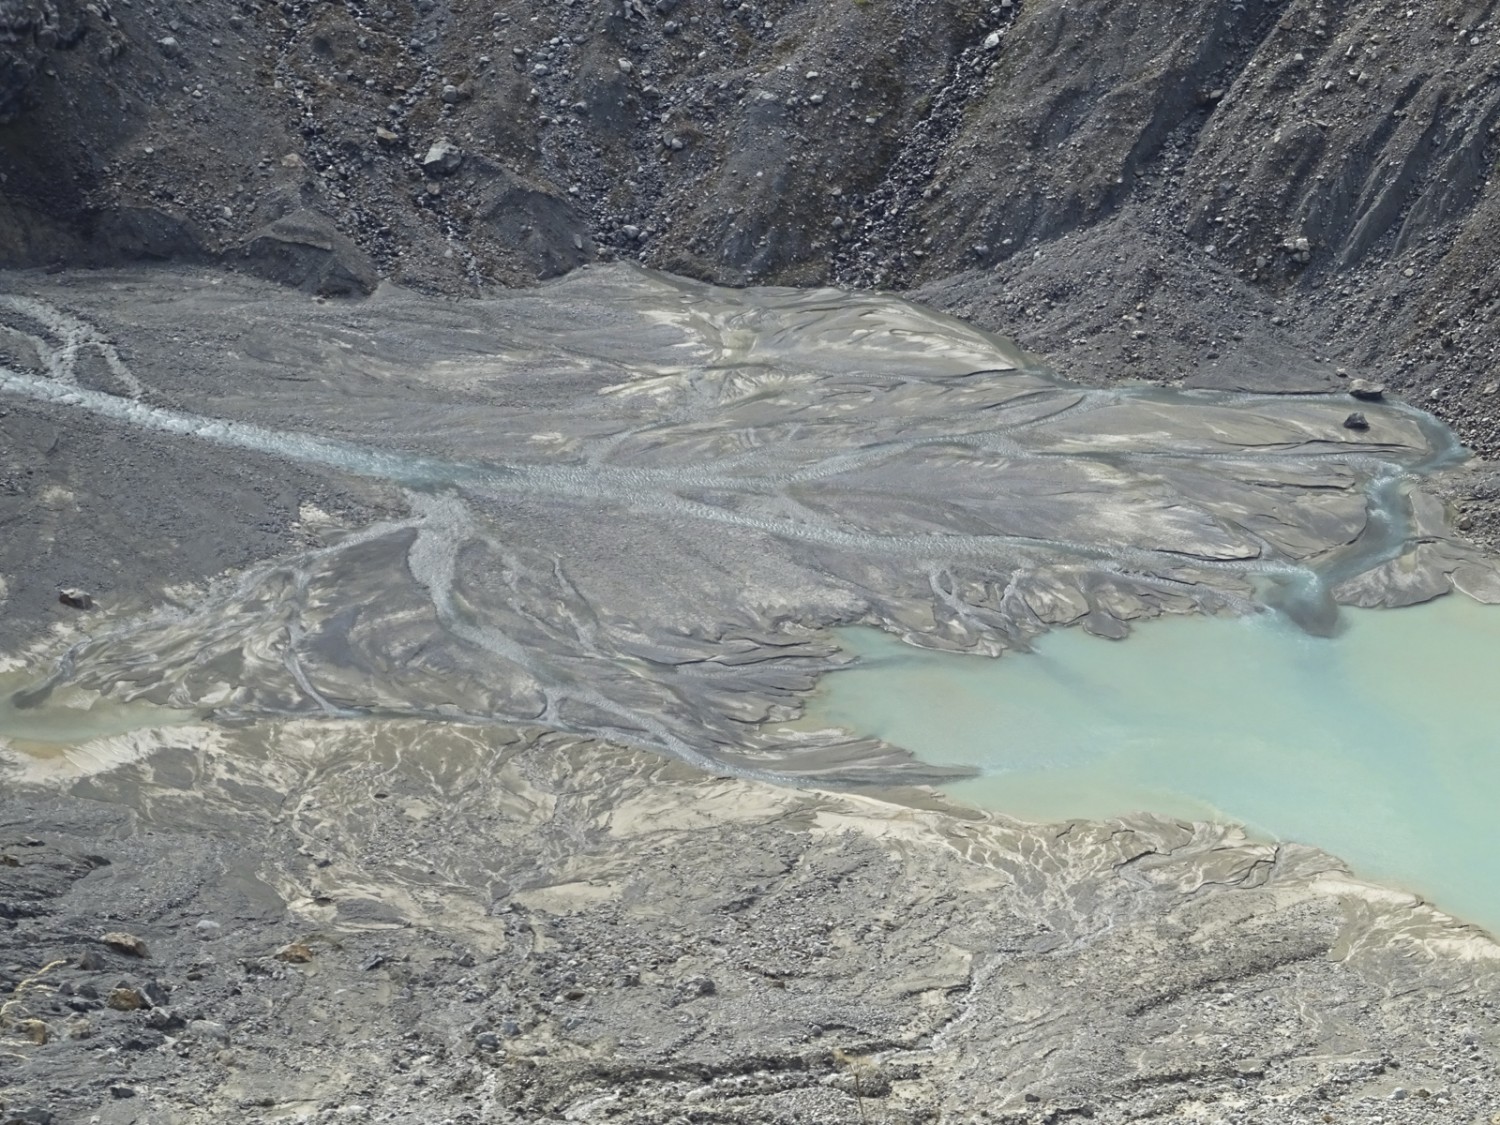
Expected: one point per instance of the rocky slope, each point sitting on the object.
(1100, 173)
(446, 922)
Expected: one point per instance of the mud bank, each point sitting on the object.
(428, 810)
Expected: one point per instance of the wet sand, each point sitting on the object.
(494, 737)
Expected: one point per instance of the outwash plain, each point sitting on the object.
(459, 428)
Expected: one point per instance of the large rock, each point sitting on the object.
(541, 229)
(304, 249)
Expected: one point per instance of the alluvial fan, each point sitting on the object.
(630, 504)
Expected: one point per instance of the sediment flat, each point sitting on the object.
(474, 622)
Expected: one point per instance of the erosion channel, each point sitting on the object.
(431, 636)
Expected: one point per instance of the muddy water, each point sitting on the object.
(626, 508)
(1380, 744)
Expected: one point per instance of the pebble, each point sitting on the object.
(1356, 421)
(169, 46)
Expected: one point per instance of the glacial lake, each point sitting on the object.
(1380, 744)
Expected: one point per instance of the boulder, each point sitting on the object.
(125, 999)
(443, 158)
(75, 598)
(122, 942)
(539, 226)
(305, 250)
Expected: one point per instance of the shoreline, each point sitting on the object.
(352, 898)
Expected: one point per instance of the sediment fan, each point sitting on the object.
(632, 503)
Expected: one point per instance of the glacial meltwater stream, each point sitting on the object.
(627, 508)
(1380, 744)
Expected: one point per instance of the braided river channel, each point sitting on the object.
(719, 525)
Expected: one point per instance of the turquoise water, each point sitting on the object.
(1380, 744)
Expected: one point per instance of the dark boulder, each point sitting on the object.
(305, 250)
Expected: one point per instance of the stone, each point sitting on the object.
(209, 1031)
(625, 65)
(487, 1041)
(692, 988)
(35, 1031)
(295, 953)
(164, 1019)
(386, 136)
(443, 158)
(305, 250)
(125, 999)
(1366, 391)
(169, 46)
(26, 1115)
(992, 41)
(121, 1091)
(122, 942)
(1356, 421)
(207, 929)
(74, 598)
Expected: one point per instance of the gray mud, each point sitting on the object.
(492, 928)
(633, 504)
(414, 835)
